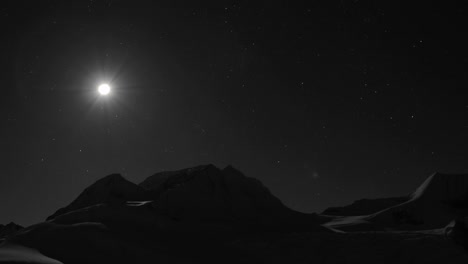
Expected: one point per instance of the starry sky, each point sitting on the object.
(325, 102)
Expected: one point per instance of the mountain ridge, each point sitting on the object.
(203, 193)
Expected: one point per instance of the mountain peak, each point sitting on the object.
(207, 192)
(113, 188)
(230, 168)
(113, 176)
(201, 194)
(9, 229)
(157, 180)
(111, 179)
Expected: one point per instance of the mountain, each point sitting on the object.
(196, 213)
(209, 215)
(204, 196)
(112, 189)
(365, 206)
(211, 194)
(440, 199)
(9, 229)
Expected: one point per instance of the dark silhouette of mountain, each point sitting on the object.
(434, 204)
(208, 193)
(440, 199)
(112, 189)
(197, 210)
(365, 206)
(202, 194)
(9, 229)
(210, 215)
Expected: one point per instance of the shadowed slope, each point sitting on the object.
(208, 215)
(112, 189)
(440, 199)
(210, 194)
(9, 229)
(365, 206)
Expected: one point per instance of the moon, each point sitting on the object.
(104, 89)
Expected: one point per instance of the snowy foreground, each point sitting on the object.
(208, 215)
(379, 247)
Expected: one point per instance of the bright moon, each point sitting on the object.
(104, 89)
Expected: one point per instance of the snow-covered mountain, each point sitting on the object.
(440, 199)
(437, 201)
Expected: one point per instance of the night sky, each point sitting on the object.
(325, 102)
